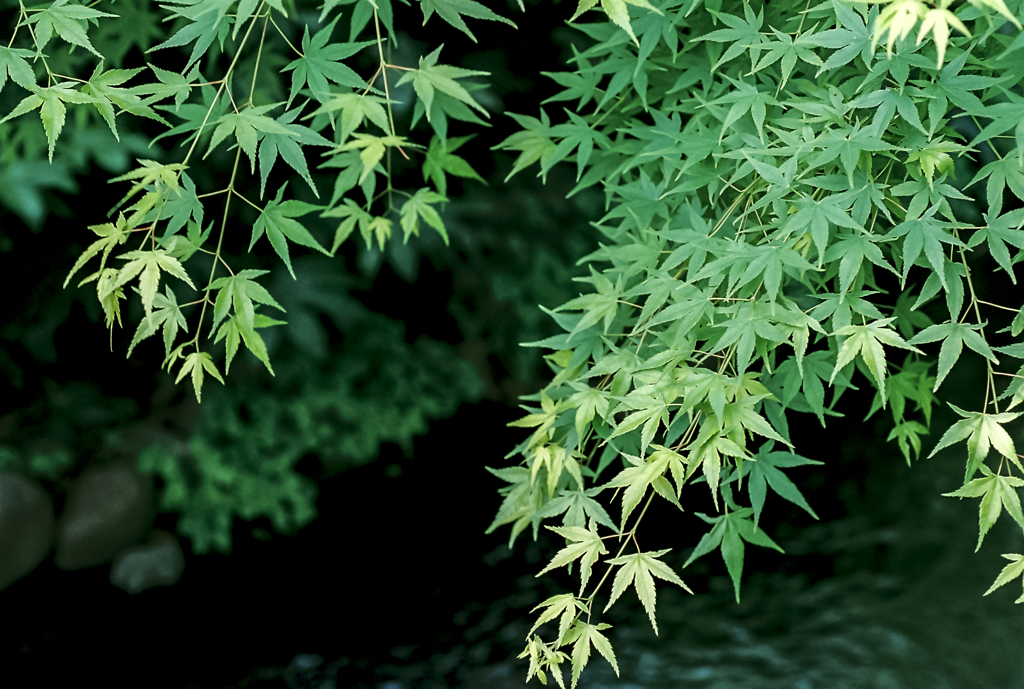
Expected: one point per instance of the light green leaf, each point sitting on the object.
(419, 206)
(12, 62)
(196, 363)
(638, 570)
(452, 11)
(587, 544)
(67, 20)
(582, 635)
(1010, 572)
(147, 266)
(277, 221)
(982, 432)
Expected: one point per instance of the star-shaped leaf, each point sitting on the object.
(277, 220)
(996, 492)
(586, 544)
(320, 62)
(640, 570)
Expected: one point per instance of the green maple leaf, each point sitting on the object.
(582, 635)
(353, 214)
(12, 62)
(953, 336)
(896, 21)
(924, 232)
(577, 505)
(147, 266)
(354, 107)
(543, 656)
(246, 8)
(867, 340)
(586, 547)
(373, 149)
(1001, 173)
(579, 135)
(431, 77)
(1010, 572)
(239, 291)
(166, 316)
(597, 307)
(908, 435)
(582, 84)
(887, 102)
(170, 84)
(183, 248)
(108, 295)
(50, 102)
(277, 221)
(110, 235)
(563, 606)
(637, 478)
(745, 97)
(247, 125)
(1000, 7)
(1000, 231)
(197, 117)
(1002, 116)
(640, 570)
(441, 159)
(320, 62)
(533, 141)
(209, 21)
(102, 85)
(233, 331)
(982, 432)
(851, 40)
(743, 35)
(707, 451)
(996, 492)
(847, 143)
(179, 209)
(288, 145)
(419, 206)
(728, 533)
(159, 174)
(766, 471)
(69, 21)
(788, 51)
(523, 498)
(452, 12)
(851, 250)
(617, 11)
(196, 363)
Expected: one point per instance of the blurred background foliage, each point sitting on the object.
(376, 344)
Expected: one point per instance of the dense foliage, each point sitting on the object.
(799, 199)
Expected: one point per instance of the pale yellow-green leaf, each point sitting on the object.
(1000, 7)
(196, 363)
(1010, 572)
(938, 21)
(586, 544)
(896, 22)
(638, 570)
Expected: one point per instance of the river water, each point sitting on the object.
(394, 586)
(884, 592)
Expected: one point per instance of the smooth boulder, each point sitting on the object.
(157, 562)
(26, 527)
(108, 507)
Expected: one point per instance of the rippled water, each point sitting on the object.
(886, 595)
(902, 608)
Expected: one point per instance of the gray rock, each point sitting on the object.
(108, 507)
(157, 562)
(26, 527)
